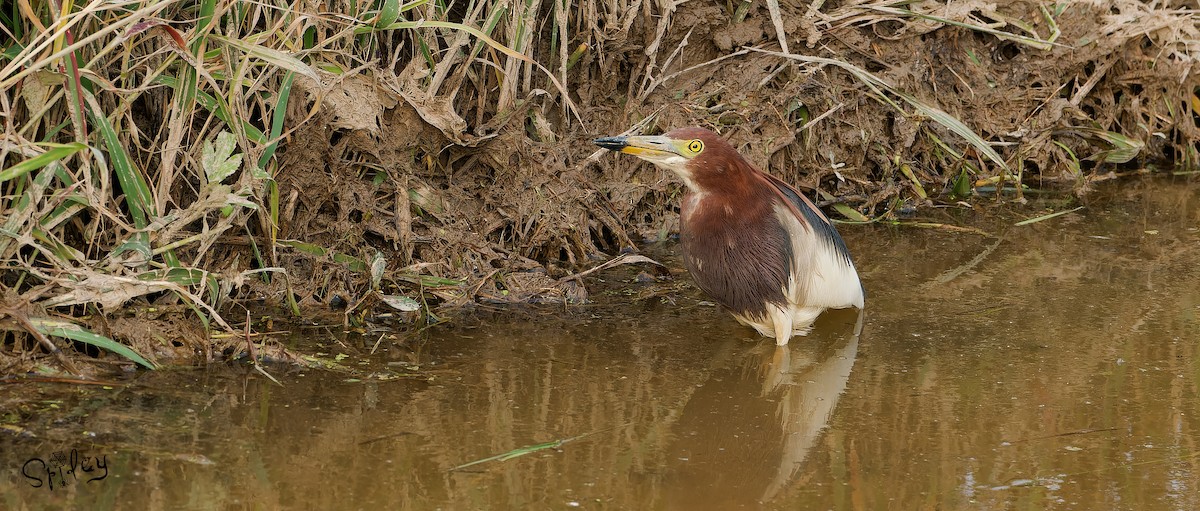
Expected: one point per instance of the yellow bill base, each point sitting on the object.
(641, 151)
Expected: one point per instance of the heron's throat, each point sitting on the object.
(732, 181)
(679, 166)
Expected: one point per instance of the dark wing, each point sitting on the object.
(811, 216)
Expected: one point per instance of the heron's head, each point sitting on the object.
(701, 158)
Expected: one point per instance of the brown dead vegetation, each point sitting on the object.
(530, 191)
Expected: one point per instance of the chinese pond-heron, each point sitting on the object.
(752, 242)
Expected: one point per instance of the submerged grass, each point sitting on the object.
(529, 449)
(1048, 216)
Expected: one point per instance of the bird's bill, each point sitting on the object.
(647, 147)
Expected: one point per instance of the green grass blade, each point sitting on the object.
(488, 27)
(207, 9)
(413, 5)
(277, 115)
(953, 124)
(850, 213)
(23, 210)
(55, 153)
(75, 101)
(521, 451)
(1046, 217)
(72, 205)
(137, 192)
(404, 25)
(427, 280)
(354, 263)
(66, 329)
(912, 178)
(529, 449)
(307, 248)
(389, 13)
(273, 199)
(186, 277)
(270, 55)
(1124, 148)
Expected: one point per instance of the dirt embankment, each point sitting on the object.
(450, 186)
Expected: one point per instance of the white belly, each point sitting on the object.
(821, 279)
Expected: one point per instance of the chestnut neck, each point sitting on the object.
(736, 249)
(734, 195)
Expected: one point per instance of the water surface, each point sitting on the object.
(1056, 366)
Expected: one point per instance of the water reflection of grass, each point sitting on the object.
(1082, 334)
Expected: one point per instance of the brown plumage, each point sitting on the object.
(752, 242)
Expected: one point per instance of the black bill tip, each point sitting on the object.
(612, 143)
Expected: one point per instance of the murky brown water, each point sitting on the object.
(1056, 369)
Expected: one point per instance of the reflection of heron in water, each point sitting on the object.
(809, 395)
(745, 433)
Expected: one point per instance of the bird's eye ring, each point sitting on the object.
(695, 146)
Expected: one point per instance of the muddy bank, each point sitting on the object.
(380, 167)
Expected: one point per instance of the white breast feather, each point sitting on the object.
(833, 281)
(832, 284)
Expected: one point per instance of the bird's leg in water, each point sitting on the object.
(782, 321)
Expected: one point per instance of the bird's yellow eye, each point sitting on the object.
(695, 146)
